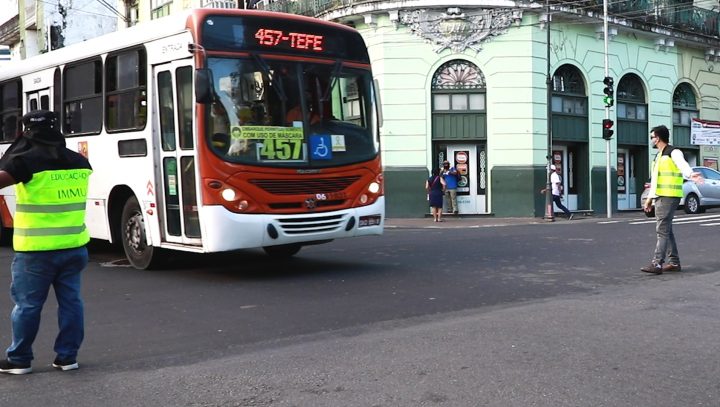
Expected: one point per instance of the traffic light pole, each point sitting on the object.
(608, 203)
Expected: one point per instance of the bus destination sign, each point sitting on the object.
(291, 36)
(302, 41)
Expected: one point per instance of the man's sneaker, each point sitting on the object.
(65, 365)
(9, 367)
(671, 267)
(570, 217)
(653, 268)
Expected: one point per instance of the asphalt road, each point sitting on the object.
(471, 312)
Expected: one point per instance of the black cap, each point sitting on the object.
(39, 118)
(40, 128)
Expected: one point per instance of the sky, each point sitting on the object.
(8, 9)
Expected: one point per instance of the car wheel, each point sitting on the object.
(692, 204)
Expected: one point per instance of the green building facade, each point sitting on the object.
(470, 84)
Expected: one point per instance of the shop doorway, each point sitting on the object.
(626, 183)
(471, 162)
(631, 176)
(566, 158)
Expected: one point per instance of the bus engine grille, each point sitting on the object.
(317, 224)
(306, 186)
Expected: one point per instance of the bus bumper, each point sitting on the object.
(223, 230)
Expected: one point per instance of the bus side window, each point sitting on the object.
(165, 101)
(183, 76)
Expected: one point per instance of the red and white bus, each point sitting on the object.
(214, 130)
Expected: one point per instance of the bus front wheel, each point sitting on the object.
(134, 237)
(282, 251)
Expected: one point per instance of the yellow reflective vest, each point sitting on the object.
(50, 211)
(669, 177)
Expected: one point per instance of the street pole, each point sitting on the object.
(548, 185)
(608, 203)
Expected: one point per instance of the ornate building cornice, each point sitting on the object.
(457, 29)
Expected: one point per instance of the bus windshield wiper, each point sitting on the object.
(334, 76)
(280, 88)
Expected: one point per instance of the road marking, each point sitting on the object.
(697, 217)
(710, 224)
(681, 220)
(116, 263)
(642, 222)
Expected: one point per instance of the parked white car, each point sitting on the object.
(696, 197)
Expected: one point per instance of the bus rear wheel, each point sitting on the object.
(282, 251)
(134, 237)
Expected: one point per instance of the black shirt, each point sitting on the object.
(22, 166)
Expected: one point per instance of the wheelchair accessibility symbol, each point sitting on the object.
(320, 147)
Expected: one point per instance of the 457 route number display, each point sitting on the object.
(273, 143)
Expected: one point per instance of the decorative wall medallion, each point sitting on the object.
(456, 29)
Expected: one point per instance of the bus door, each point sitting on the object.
(38, 100)
(175, 145)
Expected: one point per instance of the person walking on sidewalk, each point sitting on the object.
(450, 175)
(666, 182)
(557, 190)
(51, 185)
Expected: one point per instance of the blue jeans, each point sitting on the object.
(559, 204)
(32, 275)
(666, 248)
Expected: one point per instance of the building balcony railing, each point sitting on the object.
(304, 7)
(671, 14)
(219, 4)
(676, 15)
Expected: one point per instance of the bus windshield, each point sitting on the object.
(291, 114)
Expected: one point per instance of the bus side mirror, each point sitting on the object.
(203, 86)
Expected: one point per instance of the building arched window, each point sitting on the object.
(684, 106)
(631, 98)
(684, 110)
(568, 95)
(459, 115)
(458, 86)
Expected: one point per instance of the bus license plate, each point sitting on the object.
(371, 220)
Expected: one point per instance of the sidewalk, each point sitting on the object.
(480, 221)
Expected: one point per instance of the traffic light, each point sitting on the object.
(607, 129)
(609, 98)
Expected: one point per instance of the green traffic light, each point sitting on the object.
(608, 101)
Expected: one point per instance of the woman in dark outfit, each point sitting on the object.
(435, 187)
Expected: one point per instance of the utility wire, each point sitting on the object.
(113, 9)
(79, 10)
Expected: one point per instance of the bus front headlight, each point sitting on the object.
(228, 194)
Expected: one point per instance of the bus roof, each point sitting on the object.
(139, 34)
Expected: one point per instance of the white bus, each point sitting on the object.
(214, 130)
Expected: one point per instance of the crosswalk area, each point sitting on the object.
(705, 220)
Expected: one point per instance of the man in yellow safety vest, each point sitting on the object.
(666, 182)
(49, 238)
